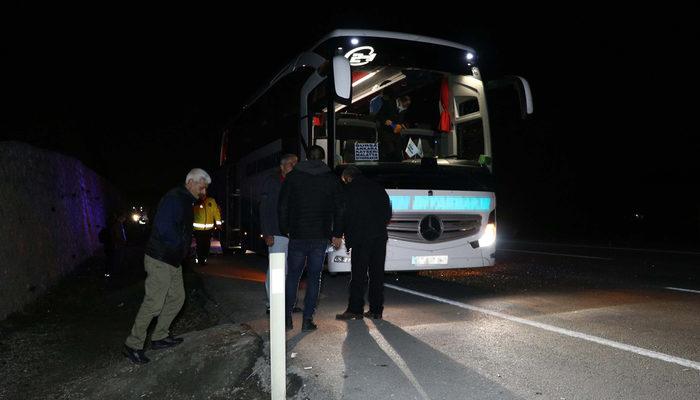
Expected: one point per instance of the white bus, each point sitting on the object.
(346, 94)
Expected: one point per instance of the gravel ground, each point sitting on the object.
(78, 327)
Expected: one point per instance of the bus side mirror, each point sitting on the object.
(342, 80)
(511, 89)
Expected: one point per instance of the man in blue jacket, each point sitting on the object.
(167, 247)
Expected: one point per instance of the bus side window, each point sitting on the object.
(351, 129)
(470, 139)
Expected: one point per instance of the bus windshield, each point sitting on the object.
(413, 97)
(402, 114)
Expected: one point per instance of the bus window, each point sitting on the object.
(470, 140)
(466, 105)
(351, 130)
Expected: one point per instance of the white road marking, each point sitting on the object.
(694, 253)
(555, 254)
(595, 339)
(398, 360)
(682, 290)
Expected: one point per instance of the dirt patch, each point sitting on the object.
(214, 363)
(79, 326)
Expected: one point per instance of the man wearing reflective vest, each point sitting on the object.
(207, 216)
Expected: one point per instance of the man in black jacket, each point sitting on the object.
(167, 247)
(310, 212)
(367, 213)
(269, 224)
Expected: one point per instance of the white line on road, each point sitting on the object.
(399, 361)
(595, 339)
(682, 290)
(555, 254)
(693, 253)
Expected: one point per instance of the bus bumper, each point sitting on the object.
(406, 256)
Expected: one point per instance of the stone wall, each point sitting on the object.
(52, 208)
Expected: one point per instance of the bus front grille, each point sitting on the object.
(407, 227)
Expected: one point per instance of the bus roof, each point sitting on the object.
(302, 58)
(390, 35)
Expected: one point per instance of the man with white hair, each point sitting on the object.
(269, 221)
(167, 247)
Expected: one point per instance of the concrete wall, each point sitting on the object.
(51, 210)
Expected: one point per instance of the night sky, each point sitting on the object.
(143, 99)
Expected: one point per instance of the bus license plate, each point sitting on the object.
(429, 260)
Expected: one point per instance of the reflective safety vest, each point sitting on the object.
(206, 215)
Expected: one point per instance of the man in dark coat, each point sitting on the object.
(167, 248)
(386, 116)
(269, 224)
(310, 212)
(367, 213)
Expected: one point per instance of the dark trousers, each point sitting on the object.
(390, 145)
(310, 253)
(367, 261)
(203, 243)
(116, 261)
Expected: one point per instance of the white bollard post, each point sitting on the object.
(278, 360)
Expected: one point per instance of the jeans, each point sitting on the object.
(309, 252)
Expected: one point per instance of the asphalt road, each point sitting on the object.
(547, 322)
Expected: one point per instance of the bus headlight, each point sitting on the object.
(489, 236)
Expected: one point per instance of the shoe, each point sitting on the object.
(296, 309)
(135, 356)
(308, 325)
(164, 343)
(347, 315)
(288, 323)
(372, 315)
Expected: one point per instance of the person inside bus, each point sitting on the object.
(403, 105)
(403, 120)
(310, 212)
(367, 213)
(386, 113)
(378, 101)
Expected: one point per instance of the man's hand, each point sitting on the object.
(336, 241)
(269, 240)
